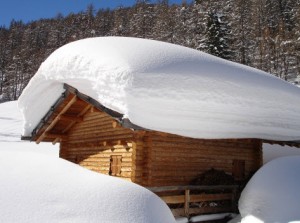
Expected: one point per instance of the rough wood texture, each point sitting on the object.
(154, 158)
(175, 160)
(90, 137)
(94, 142)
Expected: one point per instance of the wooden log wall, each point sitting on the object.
(151, 158)
(92, 143)
(175, 160)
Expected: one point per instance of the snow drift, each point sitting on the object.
(272, 194)
(169, 88)
(10, 132)
(39, 188)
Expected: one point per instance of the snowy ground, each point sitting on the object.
(11, 122)
(37, 186)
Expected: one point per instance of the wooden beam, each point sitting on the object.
(115, 124)
(81, 114)
(191, 187)
(53, 123)
(186, 202)
(180, 199)
(56, 141)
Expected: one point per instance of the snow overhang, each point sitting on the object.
(167, 88)
(40, 132)
(59, 112)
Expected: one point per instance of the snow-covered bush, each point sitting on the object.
(272, 194)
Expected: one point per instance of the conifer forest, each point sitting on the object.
(264, 34)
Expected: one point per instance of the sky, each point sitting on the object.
(29, 10)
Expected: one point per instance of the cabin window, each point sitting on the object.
(238, 169)
(115, 165)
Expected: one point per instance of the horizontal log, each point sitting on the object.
(94, 131)
(101, 155)
(216, 143)
(86, 126)
(156, 135)
(100, 150)
(70, 118)
(94, 145)
(208, 155)
(102, 138)
(114, 135)
(103, 163)
(180, 147)
(210, 197)
(96, 115)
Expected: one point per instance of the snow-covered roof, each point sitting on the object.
(168, 88)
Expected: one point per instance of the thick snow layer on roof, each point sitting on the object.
(272, 194)
(40, 188)
(167, 88)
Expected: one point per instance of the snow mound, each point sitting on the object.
(168, 88)
(39, 188)
(272, 194)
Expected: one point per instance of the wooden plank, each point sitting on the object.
(191, 187)
(210, 197)
(81, 114)
(186, 202)
(176, 199)
(201, 210)
(56, 140)
(53, 123)
(180, 199)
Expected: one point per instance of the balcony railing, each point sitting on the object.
(191, 199)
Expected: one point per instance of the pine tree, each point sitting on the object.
(198, 23)
(143, 19)
(3, 59)
(218, 36)
(243, 31)
(121, 22)
(104, 22)
(163, 28)
(183, 34)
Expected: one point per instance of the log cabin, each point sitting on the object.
(93, 136)
(96, 138)
(182, 170)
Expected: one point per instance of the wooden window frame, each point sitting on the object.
(115, 165)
